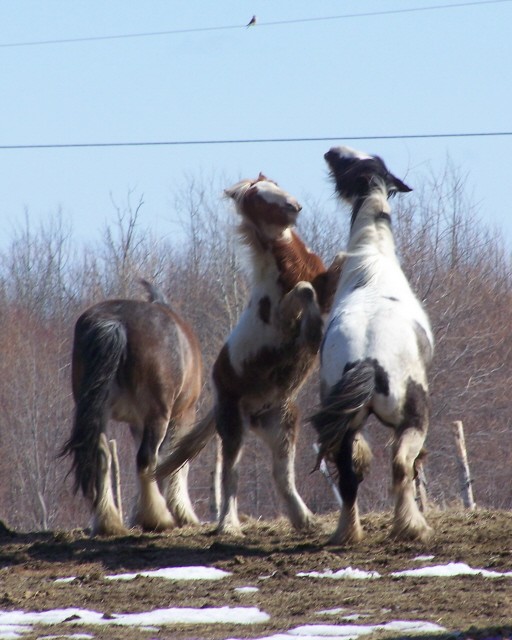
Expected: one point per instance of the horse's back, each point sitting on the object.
(381, 323)
(162, 361)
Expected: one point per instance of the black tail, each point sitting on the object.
(99, 346)
(345, 399)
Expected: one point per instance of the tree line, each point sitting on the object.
(459, 268)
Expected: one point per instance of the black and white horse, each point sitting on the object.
(376, 350)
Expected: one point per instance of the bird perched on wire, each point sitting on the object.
(251, 22)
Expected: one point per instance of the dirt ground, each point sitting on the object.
(269, 557)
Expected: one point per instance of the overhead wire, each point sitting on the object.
(175, 143)
(154, 143)
(171, 32)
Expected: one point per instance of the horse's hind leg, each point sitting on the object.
(151, 512)
(409, 523)
(352, 460)
(175, 487)
(178, 498)
(230, 428)
(107, 521)
(278, 428)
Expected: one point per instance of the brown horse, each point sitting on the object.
(270, 352)
(136, 362)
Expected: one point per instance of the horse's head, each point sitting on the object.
(264, 205)
(356, 174)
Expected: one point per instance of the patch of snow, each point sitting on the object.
(271, 575)
(246, 589)
(175, 573)
(352, 632)
(17, 622)
(73, 636)
(64, 580)
(339, 611)
(449, 570)
(331, 612)
(13, 631)
(423, 558)
(348, 573)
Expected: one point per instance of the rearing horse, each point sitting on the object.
(376, 350)
(269, 353)
(136, 362)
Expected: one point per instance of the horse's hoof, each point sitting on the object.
(110, 531)
(309, 525)
(421, 533)
(345, 538)
(230, 530)
(187, 521)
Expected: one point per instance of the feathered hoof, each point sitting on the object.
(306, 525)
(157, 524)
(346, 537)
(229, 530)
(186, 520)
(109, 530)
(158, 527)
(417, 531)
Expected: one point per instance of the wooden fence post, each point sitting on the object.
(421, 486)
(116, 477)
(328, 476)
(462, 459)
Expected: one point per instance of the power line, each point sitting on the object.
(177, 143)
(171, 32)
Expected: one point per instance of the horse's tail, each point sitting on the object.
(188, 447)
(346, 398)
(154, 293)
(100, 343)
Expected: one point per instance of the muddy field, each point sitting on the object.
(269, 557)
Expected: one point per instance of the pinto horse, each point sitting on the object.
(269, 353)
(138, 362)
(376, 350)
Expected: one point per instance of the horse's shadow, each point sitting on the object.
(128, 553)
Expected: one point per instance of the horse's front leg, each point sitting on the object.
(300, 317)
(230, 427)
(278, 428)
(151, 512)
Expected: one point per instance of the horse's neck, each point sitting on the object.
(294, 261)
(371, 250)
(371, 230)
(282, 260)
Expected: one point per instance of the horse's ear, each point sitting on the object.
(237, 189)
(397, 185)
(261, 177)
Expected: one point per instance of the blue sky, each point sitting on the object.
(417, 72)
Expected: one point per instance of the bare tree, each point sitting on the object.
(458, 266)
